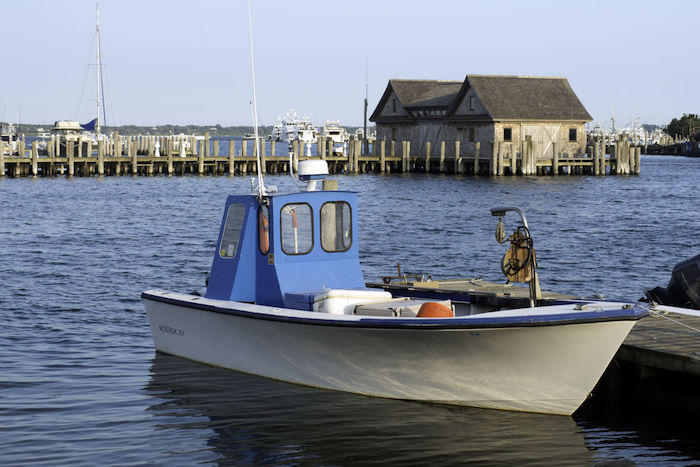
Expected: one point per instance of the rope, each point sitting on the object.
(663, 315)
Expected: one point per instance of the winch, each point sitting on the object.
(519, 264)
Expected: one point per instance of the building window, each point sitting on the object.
(471, 103)
(572, 134)
(507, 134)
(471, 135)
(336, 226)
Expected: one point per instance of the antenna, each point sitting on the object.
(261, 185)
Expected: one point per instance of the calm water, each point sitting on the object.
(82, 385)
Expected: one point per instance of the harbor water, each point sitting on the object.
(81, 383)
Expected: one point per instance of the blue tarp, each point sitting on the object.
(90, 126)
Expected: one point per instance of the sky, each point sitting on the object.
(188, 61)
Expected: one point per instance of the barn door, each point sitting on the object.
(544, 135)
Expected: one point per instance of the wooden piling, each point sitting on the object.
(382, 156)
(477, 148)
(555, 158)
(35, 158)
(638, 161)
(2, 158)
(133, 155)
(200, 156)
(500, 149)
(231, 152)
(458, 159)
(427, 157)
(69, 154)
(442, 157)
(513, 159)
(495, 163)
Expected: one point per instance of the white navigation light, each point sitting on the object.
(312, 170)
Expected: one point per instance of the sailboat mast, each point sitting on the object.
(99, 74)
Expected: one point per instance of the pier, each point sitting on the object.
(178, 155)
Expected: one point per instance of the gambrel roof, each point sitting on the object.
(503, 97)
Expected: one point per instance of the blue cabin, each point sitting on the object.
(283, 249)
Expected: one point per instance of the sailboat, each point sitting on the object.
(72, 130)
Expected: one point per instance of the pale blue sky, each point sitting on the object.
(188, 61)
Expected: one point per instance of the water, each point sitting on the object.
(82, 385)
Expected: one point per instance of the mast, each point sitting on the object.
(364, 128)
(99, 75)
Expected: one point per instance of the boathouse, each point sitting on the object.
(486, 109)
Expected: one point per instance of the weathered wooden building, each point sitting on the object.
(484, 109)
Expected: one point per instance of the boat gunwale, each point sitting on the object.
(469, 322)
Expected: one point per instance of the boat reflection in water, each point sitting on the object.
(249, 420)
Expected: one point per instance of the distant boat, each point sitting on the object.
(8, 134)
(291, 128)
(336, 133)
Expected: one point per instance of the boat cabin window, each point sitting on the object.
(296, 223)
(232, 230)
(336, 226)
(263, 229)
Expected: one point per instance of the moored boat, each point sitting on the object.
(286, 299)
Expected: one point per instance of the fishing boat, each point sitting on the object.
(286, 299)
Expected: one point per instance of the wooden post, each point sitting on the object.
(320, 147)
(494, 168)
(458, 158)
(35, 158)
(2, 158)
(169, 149)
(329, 144)
(200, 156)
(263, 157)
(69, 154)
(100, 158)
(244, 148)
(273, 148)
(358, 153)
(500, 149)
(427, 157)
(216, 148)
(477, 148)
(638, 161)
(231, 152)
(382, 156)
(596, 158)
(392, 148)
(404, 164)
(513, 159)
(442, 157)
(555, 158)
(206, 145)
(133, 155)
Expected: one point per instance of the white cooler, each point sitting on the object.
(343, 301)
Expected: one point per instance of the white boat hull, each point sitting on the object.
(547, 369)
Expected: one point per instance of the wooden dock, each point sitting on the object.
(173, 155)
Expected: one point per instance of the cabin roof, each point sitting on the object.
(503, 97)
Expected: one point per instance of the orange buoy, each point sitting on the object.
(434, 310)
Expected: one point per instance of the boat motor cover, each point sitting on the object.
(683, 290)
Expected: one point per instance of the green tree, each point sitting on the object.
(686, 126)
